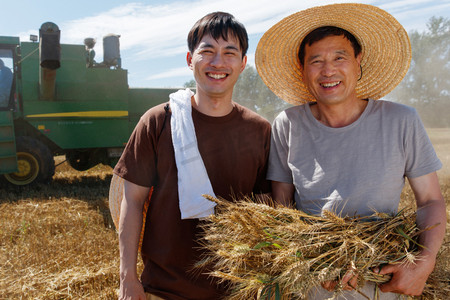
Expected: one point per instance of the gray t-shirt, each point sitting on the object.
(351, 170)
(355, 169)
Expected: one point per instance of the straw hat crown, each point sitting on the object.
(386, 49)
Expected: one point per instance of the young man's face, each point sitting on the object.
(331, 70)
(216, 65)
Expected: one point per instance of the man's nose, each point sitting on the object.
(328, 69)
(218, 60)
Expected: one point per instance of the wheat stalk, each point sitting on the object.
(280, 252)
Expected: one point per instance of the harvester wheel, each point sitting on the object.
(35, 162)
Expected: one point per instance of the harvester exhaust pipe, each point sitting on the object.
(111, 51)
(49, 57)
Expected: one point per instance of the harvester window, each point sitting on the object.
(6, 79)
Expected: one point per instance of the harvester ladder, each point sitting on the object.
(8, 157)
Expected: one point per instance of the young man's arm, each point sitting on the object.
(283, 193)
(410, 279)
(130, 225)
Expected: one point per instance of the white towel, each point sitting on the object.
(193, 180)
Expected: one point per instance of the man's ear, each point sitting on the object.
(189, 60)
(358, 58)
(244, 63)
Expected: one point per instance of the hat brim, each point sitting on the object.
(386, 49)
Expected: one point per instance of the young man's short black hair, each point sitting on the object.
(218, 25)
(323, 32)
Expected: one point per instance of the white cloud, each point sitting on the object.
(172, 73)
(160, 30)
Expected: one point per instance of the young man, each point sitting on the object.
(341, 150)
(205, 144)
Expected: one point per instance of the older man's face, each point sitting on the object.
(331, 70)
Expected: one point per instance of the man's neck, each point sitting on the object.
(212, 106)
(339, 115)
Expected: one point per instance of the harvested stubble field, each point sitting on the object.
(58, 241)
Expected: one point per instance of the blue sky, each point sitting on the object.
(153, 33)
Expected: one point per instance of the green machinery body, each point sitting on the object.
(65, 105)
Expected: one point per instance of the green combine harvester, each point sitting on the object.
(55, 99)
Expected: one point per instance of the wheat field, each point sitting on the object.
(58, 241)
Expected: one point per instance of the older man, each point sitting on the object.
(341, 149)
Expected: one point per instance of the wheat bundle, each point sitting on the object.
(263, 251)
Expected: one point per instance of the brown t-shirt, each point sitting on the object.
(234, 149)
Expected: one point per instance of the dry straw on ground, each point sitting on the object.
(280, 252)
(50, 250)
(57, 241)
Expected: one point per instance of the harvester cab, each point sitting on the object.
(7, 59)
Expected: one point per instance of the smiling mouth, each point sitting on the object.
(217, 76)
(330, 84)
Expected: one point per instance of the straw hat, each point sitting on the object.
(386, 50)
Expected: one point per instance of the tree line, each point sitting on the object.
(426, 86)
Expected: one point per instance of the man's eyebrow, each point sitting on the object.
(312, 57)
(229, 47)
(343, 51)
(232, 47)
(206, 45)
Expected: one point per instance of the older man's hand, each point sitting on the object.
(408, 278)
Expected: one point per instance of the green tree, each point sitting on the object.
(426, 86)
(190, 84)
(251, 92)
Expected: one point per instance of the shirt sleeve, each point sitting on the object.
(138, 161)
(421, 159)
(279, 151)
